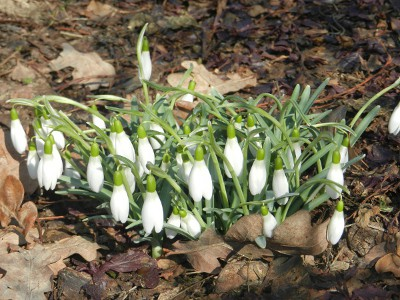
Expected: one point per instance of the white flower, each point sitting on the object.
(344, 152)
(200, 181)
(335, 174)
(146, 60)
(187, 167)
(158, 139)
(47, 172)
(152, 210)
(189, 97)
(70, 171)
(47, 128)
(58, 163)
(394, 122)
(95, 173)
(251, 127)
(123, 145)
(280, 184)
(32, 161)
(165, 163)
(238, 122)
(119, 203)
(336, 225)
(174, 220)
(130, 178)
(297, 153)
(98, 122)
(18, 135)
(190, 224)
(145, 151)
(269, 222)
(258, 174)
(39, 144)
(233, 153)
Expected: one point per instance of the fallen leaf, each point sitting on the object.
(169, 269)
(11, 196)
(296, 236)
(206, 79)
(89, 68)
(97, 10)
(204, 253)
(389, 263)
(246, 229)
(27, 216)
(22, 73)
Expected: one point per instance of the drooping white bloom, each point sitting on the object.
(165, 163)
(146, 60)
(238, 122)
(344, 152)
(94, 171)
(47, 172)
(335, 174)
(336, 224)
(233, 152)
(18, 135)
(187, 167)
(280, 184)
(159, 139)
(130, 178)
(394, 122)
(174, 220)
(32, 161)
(58, 163)
(189, 97)
(251, 127)
(97, 120)
(47, 127)
(70, 171)
(258, 174)
(200, 181)
(152, 210)
(269, 222)
(190, 224)
(119, 203)
(145, 151)
(123, 145)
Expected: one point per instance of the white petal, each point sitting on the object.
(130, 178)
(40, 172)
(280, 186)
(344, 154)
(49, 172)
(119, 204)
(124, 147)
(192, 225)
(174, 220)
(187, 168)
(188, 98)
(258, 144)
(234, 154)
(95, 173)
(394, 122)
(200, 182)
(18, 136)
(58, 139)
(145, 153)
(98, 122)
(58, 163)
(32, 163)
(335, 174)
(269, 224)
(257, 177)
(335, 227)
(155, 141)
(152, 213)
(146, 64)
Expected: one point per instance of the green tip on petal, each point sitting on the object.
(94, 150)
(336, 157)
(250, 121)
(183, 213)
(199, 154)
(32, 146)
(48, 146)
(175, 210)
(51, 137)
(145, 44)
(296, 133)
(346, 142)
(278, 163)
(13, 114)
(260, 154)
(112, 127)
(118, 126)
(185, 157)
(179, 149)
(118, 180)
(141, 132)
(264, 210)
(192, 85)
(94, 107)
(186, 129)
(340, 206)
(238, 119)
(151, 184)
(230, 131)
(166, 158)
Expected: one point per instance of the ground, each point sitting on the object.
(354, 43)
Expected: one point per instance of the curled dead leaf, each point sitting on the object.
(11, 196)
(246, 229)
(27, 216)
(389, 263)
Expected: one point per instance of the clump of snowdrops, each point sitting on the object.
(229, 158)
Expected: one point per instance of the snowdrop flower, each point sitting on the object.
(238, 122)
(130, 178)
(336, 224)
(165, 163)
(258, 174)
(123, 145)
(187, 166)
(119, 203)
(94, 171)
(58, 163)
(158, 139)
(145, 151)
(69, 170)
(344, 152)
(152, 211)
(179, 162)
(47, 172)
(47, 126)
(233, 152)
(394, 122)
(39, 133)
(200, 181)
(296, 148)
(174, 220)
(250, 127)
(269, 222)
(32, 161)
(280, 184)
(189, 97)
(113, 134)
(146, 60)
(335, 174)
(97, 120)
(190, 224)
(18, 135)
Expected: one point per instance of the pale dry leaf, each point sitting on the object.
(204, 253)
(205, 79)
(246, 229)
(89, 68)
(97, 10)
(13, 237)
(27, 216)
(21, 73)
(11, 196)
(389, 263)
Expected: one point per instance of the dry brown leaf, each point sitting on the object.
(21, 73)
(27, 216)
(203, 254)
(389, 263)
(97, 10)
(246, 229)
(11, 196)
(89, 68)
(296, 236)
(206, 79)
